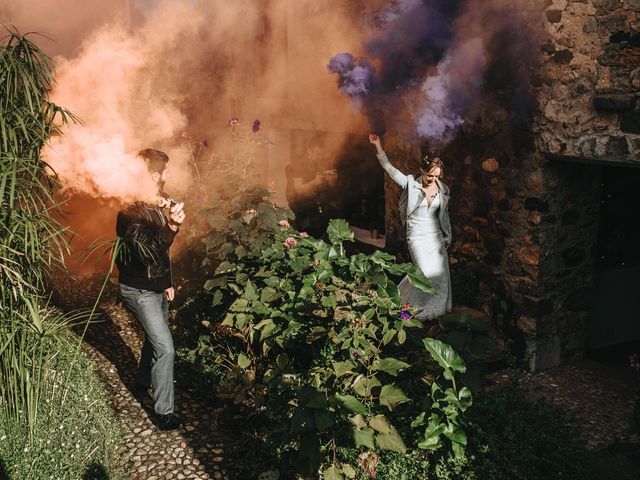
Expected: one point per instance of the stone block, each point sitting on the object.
(613, 23)
(529, 255)
(634, 4)
(554, 16)
(490, 165)
(617, 146)
(590, 25)
(563, 56)
(543, 353)
(630, 57)
(614, 102)
(610, 55)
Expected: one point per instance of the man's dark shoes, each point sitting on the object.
(169, 421)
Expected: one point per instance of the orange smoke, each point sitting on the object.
(139, 74)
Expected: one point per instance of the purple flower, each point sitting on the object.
(205, 142)
(405, 315)
(257, 126)
(355, 354)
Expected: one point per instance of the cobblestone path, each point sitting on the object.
(113, 343)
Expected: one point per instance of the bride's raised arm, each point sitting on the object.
(395, 174)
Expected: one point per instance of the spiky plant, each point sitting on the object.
(31, 240)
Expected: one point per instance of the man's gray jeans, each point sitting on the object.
(157, 357)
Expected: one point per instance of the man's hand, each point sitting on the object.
(170, 293)
(176, 217)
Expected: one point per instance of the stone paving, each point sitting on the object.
(599, 398)
(113, 343)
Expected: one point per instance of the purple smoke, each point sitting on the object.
(413, 35)
(449, 94)
(433, 65)
(354, 77)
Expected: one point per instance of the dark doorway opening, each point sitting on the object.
(614, 327)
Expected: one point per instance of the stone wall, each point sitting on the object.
(590, 95)
(525, 219)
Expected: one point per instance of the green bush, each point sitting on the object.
(75, 432)
(320, 340)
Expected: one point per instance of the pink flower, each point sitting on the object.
(252, 211)
(304, 235)
(233, 122)
(290, 242)
(284, 224)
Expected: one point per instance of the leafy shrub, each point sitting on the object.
(320, 341)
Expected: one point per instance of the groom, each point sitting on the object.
(145, 286)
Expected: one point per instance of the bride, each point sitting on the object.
(425, 214)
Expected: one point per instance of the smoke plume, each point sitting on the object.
(169, 74)
(436, 61)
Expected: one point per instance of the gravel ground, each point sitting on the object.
(600, 400)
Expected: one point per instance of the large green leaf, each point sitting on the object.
(390, 396)
(332, 473)
(465, 398)
(418, 280)
(243, 361)
(250, 293)
(339, 231)
(351, 403)
(268, 294)
(391, 441)
(432, 434)
(380, 424)
(358, 420)
(390, 365)
(342, 368)
(456, 435)
(363, 386)
(446, 356)
(363, 437)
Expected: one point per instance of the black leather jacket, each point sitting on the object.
(143, 259)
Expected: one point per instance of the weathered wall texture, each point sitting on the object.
(590, 99)
(525, 220)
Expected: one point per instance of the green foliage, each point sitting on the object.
(31, 241)
(75, 427)
(444, 418)
(317, 338)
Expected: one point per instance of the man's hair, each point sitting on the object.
(155, 160)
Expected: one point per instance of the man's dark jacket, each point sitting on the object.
(143, 259)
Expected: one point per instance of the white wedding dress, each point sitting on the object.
(426, 245)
